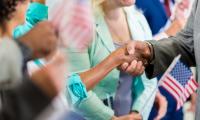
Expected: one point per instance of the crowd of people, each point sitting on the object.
(114, 77)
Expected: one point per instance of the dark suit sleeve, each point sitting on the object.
(24, 102)
(167, 49)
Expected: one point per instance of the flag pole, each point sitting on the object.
(160, 81)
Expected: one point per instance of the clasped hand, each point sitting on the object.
(133, 57)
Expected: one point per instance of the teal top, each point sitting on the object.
(36, 13)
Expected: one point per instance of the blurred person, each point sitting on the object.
(24, 97)
(165, 17)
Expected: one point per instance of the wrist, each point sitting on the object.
(112, 62)
(149, 52)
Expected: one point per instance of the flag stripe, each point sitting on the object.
(174, 92)
(167, 88)
(194, 81)
(177, 85)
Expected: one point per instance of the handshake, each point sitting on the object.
(133, 57)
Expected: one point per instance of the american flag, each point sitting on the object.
(74, 22)
(179, 81)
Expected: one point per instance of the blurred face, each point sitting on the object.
(19, 15)
(17, 18)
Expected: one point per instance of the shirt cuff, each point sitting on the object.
(77, 90)
(36, 12)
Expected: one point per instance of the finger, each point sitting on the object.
(132, 67)
(142, 70)
(138, 69)
(124, 66)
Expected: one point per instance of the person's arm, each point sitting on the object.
(78, 93)
(84, 101)
(94, 75)
(26, 99)
(182, 43)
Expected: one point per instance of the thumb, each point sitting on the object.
(131, 48)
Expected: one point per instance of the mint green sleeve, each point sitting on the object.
(94, 109)
(143, 103)
(36, 12)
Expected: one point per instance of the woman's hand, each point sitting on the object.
(141, 52)
(120, 56)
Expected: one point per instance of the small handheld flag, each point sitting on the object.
(179, 81)
(74, 22)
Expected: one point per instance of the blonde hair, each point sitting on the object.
(97, 6)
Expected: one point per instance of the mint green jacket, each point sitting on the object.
(99, 49)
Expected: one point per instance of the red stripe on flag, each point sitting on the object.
(172, 93)
(191, 87)
(177, 86)
(172, 88)
(196, 84)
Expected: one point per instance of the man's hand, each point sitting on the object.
(142, 53)
(50, 78)
(42, 39)
(129, 117)
(161, 103)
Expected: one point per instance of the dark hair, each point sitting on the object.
(7, 7)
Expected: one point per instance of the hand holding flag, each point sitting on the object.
(74, 22)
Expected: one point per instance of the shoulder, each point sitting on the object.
(137, 20)
(135, 13)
